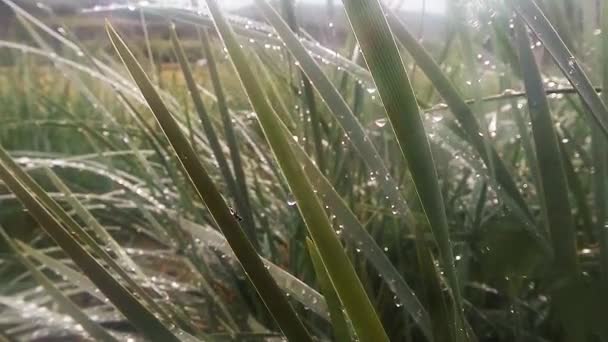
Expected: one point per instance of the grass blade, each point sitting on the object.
(384, 61)
(242, 207)
(550, 165)
(342, 274)
(338, 318)
(237, 164)
(290, 284)
(268, 290)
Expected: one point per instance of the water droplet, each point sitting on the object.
(381, 122)
(291, 201)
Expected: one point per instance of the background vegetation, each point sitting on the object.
(183, 174)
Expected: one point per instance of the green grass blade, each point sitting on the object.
(338, 318)
(229, 133)
(66, 304)
(243, 208)
(309, 92)
(342, 274)
(384, 61)
(268, 290)
(139, 315)
(550, 165)
(560, 53)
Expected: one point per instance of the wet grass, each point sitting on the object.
(387, 188)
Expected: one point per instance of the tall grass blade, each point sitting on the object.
(268, 290)
(229, 133)
(550, 165)
(242, 207)
(384, 61)
(342, 274)
(338, 317)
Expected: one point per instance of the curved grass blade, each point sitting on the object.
(268, 290)
(550, 165)
(560, 53)
(338, 318)
(140, 316)
(66, 304)
(342, 274)
(384, 62)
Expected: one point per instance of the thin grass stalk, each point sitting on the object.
(231, 137)
(311, 112)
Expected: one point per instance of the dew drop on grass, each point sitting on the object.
(381, 122)
(291, 201)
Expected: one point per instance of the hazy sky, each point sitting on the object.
(435, 6)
